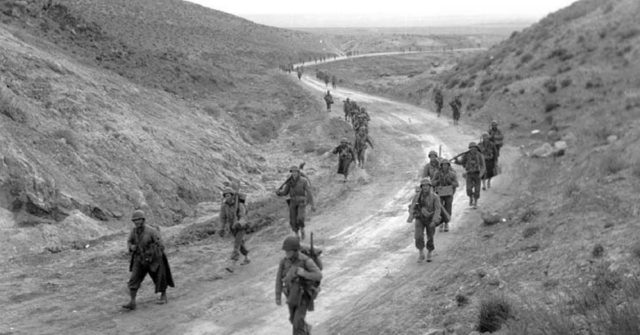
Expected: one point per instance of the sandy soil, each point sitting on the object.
(365, 237)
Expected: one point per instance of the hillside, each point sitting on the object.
(566, 260)
(95, 123)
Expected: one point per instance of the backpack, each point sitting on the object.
(473, 162)
(312, 287)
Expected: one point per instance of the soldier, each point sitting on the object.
(446, 182)
(437, 97)
(346, 155)
(298, 188)
(495, 135)
(347, 109)
(294, 272)
(473, 163)
(360, 146)
(328, 99)
(490, 153)
(232, 218)
(455, 107)
(334, 80)
(431, 168)
(425, 209)
(147, 256)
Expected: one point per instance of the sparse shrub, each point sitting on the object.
(550, 85)
(308, 147)
(526, 58)
(68, 136)
(565, 68)
(635, 170)
(635, 250)
(571, 189)
(522, 90)
(629, 33)
(519, 51)
(551, 106)
(530, 231)
(462, 300)
(551, 283)
(212, 111)
(562, 54)
(549, 119)
(612, 164)
(528, 215)
(566, 82)
(494, 312)
(597, 251)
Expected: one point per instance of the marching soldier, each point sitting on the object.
(328, 99)
(446, 183)
(473, 163)
(346, 155)
(232, 218)
(425, 210)
(431, 169)
(490, 153)
(294, 271)
(496, 136)
(147, 257)
(298, 188)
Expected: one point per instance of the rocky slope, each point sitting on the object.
(95, 123)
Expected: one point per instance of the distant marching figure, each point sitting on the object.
(346, 155)
(455, 107)
(473, 163)
(362, 140)
(437, 97)
(496, 136)
(490, 153)
(328, 99)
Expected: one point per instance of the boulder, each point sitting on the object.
(490, 218)
(560, 145)
(545, 150)
(612, 138)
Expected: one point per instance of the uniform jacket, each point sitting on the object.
(472, 162)
(297, 189)
(446, 179)
(287, 280)
(488, 149)
(227, 217)
(148, 246)
(430, 170)
(426, 207)
(495, 135)
(345, 151)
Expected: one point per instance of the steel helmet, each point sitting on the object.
(137, 214)
(291, 243)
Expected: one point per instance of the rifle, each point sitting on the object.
(456, 157)
(301, 166)
(414, 203)
(312, 252)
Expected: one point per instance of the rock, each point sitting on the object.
(544, 150)
(611, 139)
(475, 332)
(490, 218)
(560, 145)
(569, 137)
(436, 332)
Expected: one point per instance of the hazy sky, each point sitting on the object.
(334, 12)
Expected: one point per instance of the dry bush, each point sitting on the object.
(572, 189)
(530, 231)
(308, 146)
(612, 164)
(494, 312)
(597, 251)
(462, 300)
(550, 107)
(68, 136)
(526, 58)
(528, 215)
(566, 82)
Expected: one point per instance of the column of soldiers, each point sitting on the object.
(348, 152)
(432, 205)
(455, 104)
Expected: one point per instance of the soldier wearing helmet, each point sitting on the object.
(425, 212)
(298, 188)
(432, 167)
(490, 153)
(346, 155)
(233, 218)
(446, 178)
(474, 167)
(496, 136)
(147, 256)
(294, 269)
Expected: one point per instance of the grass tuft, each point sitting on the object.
(494, 312)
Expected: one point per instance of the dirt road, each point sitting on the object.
(364, 235)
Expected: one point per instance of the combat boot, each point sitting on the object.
(163, 298)
(421, 257)
(132, 304)
(470, 201)
(429, 256)
(446, 226)
(246, 260)
(475, 203)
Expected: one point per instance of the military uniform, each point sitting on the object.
(346, 155)
(448, 178)
(426, 213)
(234, 222)
(490, 153)
(473, 163)
(295, 286)
(496, 136)
(328, 99)
(147, 257)
(299, 192)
